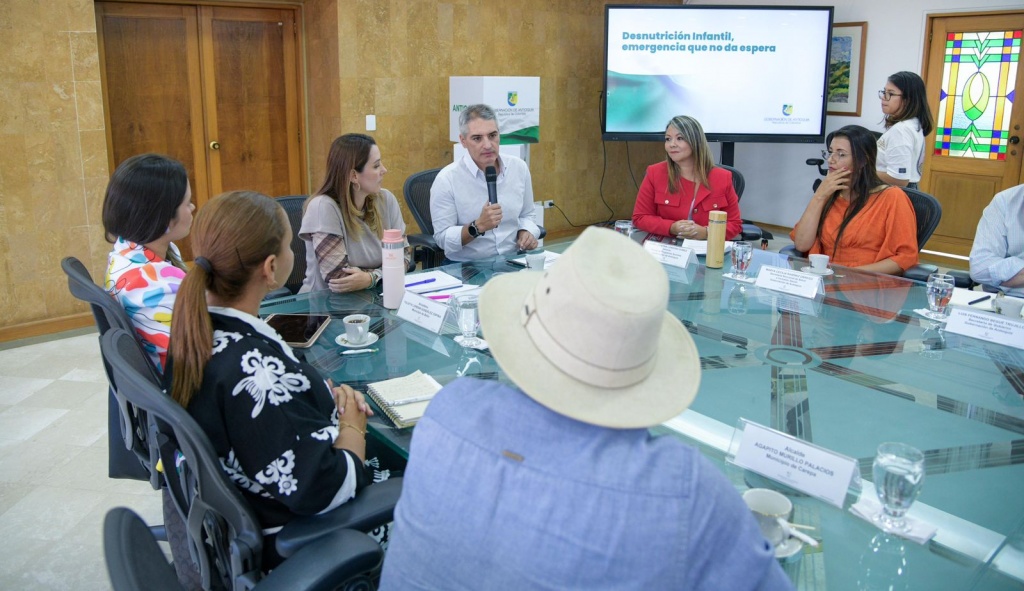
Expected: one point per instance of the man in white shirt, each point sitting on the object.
(466, 225)
(997, 257)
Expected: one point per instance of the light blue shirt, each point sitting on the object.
(502, 493)
(458, 195)
(998, 251)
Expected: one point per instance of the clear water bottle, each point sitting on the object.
(393, 268)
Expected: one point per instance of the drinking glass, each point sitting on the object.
(469, 320)
(624, 227)
(940, 291)
(741, 254)
(899, 475)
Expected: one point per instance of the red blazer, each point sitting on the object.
(656, 209)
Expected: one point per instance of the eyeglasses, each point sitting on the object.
(828, 154)
(888, 94)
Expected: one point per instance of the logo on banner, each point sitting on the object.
(787, 110)
(513, 98)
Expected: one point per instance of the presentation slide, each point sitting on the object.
(737, 71)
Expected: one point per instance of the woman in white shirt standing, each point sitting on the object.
(908, 120)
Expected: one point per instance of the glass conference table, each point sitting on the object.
(846, 371)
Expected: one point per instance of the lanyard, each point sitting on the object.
(689, 212)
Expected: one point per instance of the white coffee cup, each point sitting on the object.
(357, 328)
(1009, 306)
(819, 262)
(768, 506)
(536, 261)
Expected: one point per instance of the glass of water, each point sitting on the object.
(624, 227)
(741, 255)
(899, 475)
(466, 306)
(940, 291)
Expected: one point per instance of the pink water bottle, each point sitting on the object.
(393, 268)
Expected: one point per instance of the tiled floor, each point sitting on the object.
(54, 490)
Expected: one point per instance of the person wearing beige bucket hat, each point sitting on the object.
(556, 483)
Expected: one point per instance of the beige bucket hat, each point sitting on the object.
(590, 338)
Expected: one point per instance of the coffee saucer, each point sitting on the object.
(811, 270)
(371, 339)
(789, 550)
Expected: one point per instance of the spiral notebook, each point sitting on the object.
(405, 399)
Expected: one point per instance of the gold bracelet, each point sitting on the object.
(343, 424)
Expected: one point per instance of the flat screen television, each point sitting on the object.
(747, 73)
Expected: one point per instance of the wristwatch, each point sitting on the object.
(473, 230)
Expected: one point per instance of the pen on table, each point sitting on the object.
(412, 400)
(979, 300)
(439, 297)
(355, 351)
(424, 282)
(516, 264)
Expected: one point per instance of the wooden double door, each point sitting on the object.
(214, 87)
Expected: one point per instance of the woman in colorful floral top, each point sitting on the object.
(291, 443)
(148, 205)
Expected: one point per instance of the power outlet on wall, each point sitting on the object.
(548, 204)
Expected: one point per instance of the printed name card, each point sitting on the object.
(422, 311)
(796, 463)
(789, 281)
(668, 254)
(986, 326)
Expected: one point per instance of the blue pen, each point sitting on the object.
(425, 281)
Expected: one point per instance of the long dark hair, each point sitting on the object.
(235, 233)
(864, 151)
(143, 197)
(914, 103)
(349, 152)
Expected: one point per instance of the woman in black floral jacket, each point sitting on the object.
(291, 443)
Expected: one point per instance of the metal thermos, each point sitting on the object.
(393, 268)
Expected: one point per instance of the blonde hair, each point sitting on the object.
(693, 134)
(232, 236)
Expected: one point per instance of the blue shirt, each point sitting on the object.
(998, 251)
(502, 493)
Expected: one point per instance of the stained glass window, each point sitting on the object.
(977, 94)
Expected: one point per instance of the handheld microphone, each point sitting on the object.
(491, 175)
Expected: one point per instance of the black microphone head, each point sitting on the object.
(491, 174)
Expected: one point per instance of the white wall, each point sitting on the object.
(778, 181)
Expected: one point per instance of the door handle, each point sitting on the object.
(215, 145)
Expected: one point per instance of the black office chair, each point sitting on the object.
(225, 539)
(416, 191)
(928, 212)
(749, 231)
(133, 460)
(292, 205)
(136, 563)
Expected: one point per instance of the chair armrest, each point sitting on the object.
(373, 507)
(920, 272)
(792, 251)
(424, 240)
(962, 279)
(334, 559)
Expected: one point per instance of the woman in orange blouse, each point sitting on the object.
(853, 217)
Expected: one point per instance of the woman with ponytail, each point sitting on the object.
(853, 217)
(291, 443)
(343, 222)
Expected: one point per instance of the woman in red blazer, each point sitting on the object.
(677, 194)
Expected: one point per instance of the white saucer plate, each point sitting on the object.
(810, 270)
(789, 550)
(341, 340)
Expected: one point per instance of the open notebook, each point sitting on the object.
(404, 400)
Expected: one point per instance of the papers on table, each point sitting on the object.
(964, 297)
(549, 257)
(701, 246)
(430, 281)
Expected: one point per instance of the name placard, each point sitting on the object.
(789, 281)
(423, 312)
(804, 466)
(668, 254)
(986, 326)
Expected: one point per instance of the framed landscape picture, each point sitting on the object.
(846, 68)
